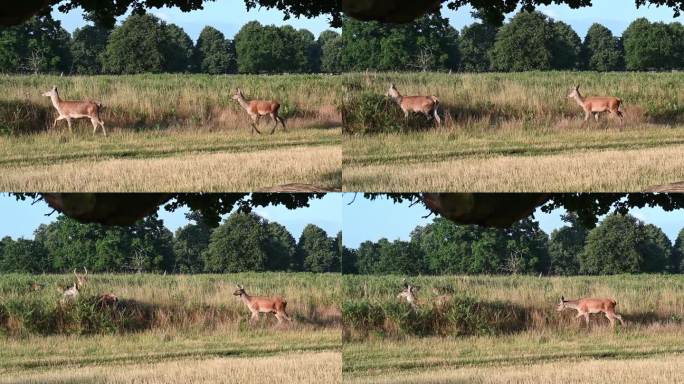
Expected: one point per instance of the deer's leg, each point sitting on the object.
(596, 117)
(437, 118)
(586, 319)
(255, 121)
(69, 123)
(254, 318)
(282, 122)
(275, 122)
(610, 318)
(104, 131)
(96, 123)
(619, 318)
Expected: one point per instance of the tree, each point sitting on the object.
(317, 251)
(526, 248)
(525, 44)
(566, 47)
(622, 244)
(87, 45)
(349, 261)
(213, 53)
(271, 49)
(23, 256)
(332, 49)
(190, 242)
(602, 51)
(281, 248)
(240, 244)
(40, 45)
(177, 49)
(678, 253)
(566, 245)
(136, 46)
(398, 258)
(651, 46)
(475, 43)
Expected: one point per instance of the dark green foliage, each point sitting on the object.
(653, 46)
(271, 49)
(23, 256)
(40, 45)
(429, 43)
(331, 48)
(238, 245)
(282, 248)
(565, 247)
(678, 253)
(189, 243)
(525, 44)
(475, 44)
(368, 113)
(566, 47)
(213, 53)
(317, 251)
(21, 117)
(602, 51)
(178, 49)
(622, 244)
(87, 45)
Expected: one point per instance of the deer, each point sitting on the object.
(76, 109)
(409, 294)
(81, 280)
(442, 298)
(585, 307)
(261, 304)
(258, 108)
(597, 105)
(427, 105)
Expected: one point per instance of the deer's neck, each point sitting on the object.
(398, 98)
(246, 299)
(56, 101)
(579, 99)
(244, 103)
(572, 304)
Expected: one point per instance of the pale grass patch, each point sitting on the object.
(596, 171)
(646, 371)
(325, 367)
(225, 172)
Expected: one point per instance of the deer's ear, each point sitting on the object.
(562, 299)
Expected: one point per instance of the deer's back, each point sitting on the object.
(79, 108)
(602, 103)
(597, 305)
(418, 103)
(264, 107)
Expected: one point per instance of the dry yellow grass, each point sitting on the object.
(596, 171)
(225, 172)
(325, 367)
(645, 371)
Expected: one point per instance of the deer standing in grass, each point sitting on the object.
(597, 105)
(72, 292)
(427, 105)
(71, 109)
(585, 307)
(261, 304)
(258, 108)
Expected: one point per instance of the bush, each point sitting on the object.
(23, 117)
(369, 113)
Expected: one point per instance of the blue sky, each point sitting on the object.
(372, 220)
(21, 218)
(229, 15)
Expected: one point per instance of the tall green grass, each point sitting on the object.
(153, 302)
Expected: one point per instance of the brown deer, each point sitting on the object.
(257, 108)
(72, 292)
(585, 307)
(261, 304)
(71, 109)
(427, 105)
(442, 298)
(597, 105)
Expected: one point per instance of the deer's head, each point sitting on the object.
(392, 92)
(240, 291)
(81, 280)
(52, 92)
(561, 305)
(238, 94)
(574, 92)
(409, 293)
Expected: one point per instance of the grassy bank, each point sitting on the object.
(537, 336)
(167, 326)
(519, 132)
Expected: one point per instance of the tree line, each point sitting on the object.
(243, 242)
(620, 244)
(530, 41)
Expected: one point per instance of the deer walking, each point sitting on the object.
(597, 105)
(585, 307)
(258, 108)
(72, 109)
(427, 105)
(261, 304)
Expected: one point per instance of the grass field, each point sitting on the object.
(520, 133)
(544, 347)
(170, 132)
(169, 329)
